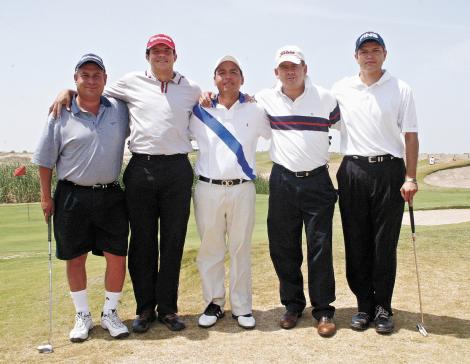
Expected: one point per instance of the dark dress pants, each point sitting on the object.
(158, 194)
(295, 202)
(371, 212)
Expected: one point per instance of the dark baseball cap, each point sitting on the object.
(90, 58)
(369, 37)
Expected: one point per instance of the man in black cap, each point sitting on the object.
(86, 144)
(373, 180)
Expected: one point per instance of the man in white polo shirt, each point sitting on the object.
(224, 198)
(158, 179)
(301, 191)
(376, 110)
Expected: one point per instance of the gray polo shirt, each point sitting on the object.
(86, 149)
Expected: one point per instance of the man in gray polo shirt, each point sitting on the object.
(86, 146)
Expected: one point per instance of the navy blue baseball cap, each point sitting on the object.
(90, 57)
(369, 37)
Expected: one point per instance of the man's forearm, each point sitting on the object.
(45, 179)
(411, 150)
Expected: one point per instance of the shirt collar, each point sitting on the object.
(241, 99)
(75, 109)
(357, 82)
(176, 77)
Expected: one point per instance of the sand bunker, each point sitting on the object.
(438, 217)
(454, 178)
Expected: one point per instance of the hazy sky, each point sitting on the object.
(428, 47)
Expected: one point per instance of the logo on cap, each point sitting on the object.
(160, 39)
(289, 53)
(369, 36)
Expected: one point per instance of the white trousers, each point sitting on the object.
(225, 218)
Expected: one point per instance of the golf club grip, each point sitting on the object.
(49, 229)
(412, 218)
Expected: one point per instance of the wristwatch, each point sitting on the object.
(412, 180)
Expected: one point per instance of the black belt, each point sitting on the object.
(223, 182)
(158, 157)
(97, 186)
(374, 159)
(303, 174)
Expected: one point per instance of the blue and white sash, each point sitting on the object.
(227, 137)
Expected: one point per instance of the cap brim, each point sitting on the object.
(100, 65)
(289, 58)
(153, 44)
(228, 59)
(370, 40)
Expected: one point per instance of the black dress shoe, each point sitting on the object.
(383, 321)
(172, 321)
(360, 321)
(142, 322)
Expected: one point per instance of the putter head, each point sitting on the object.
(45, 349)
(422, 330)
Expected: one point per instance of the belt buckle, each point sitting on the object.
(227, 183)
(372, 159)
(301, 174)
(380, 159)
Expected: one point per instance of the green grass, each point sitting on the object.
(443, 253)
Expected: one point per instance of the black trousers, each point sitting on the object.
(158, 195)
(371, 212)
(293, 203)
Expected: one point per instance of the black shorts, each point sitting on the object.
(88, 219)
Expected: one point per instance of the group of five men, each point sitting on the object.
(160, 110)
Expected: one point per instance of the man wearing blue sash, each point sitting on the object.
(224, 198)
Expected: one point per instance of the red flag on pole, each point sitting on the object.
(20, 171)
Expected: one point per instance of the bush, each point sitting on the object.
(262, 186)
(19, 189)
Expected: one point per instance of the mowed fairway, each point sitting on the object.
(444, 256)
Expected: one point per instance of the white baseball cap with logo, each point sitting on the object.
(289, 53)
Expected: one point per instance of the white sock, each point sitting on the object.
(111, 301)
(80, 301)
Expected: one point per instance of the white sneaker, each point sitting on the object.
(246, 321)
(83, 324)
(210, 316)
(110, 321)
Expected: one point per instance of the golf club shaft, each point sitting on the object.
(413, 238)
(49, 241)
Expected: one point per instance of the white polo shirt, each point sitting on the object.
(159, 112)
(246, 122)
(374, 117)
(300, 128)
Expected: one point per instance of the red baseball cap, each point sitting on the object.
(161, 39)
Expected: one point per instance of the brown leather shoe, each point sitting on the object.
(326, 326)
(289, 320)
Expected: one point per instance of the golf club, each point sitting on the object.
(47, 348)
(420, 325)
